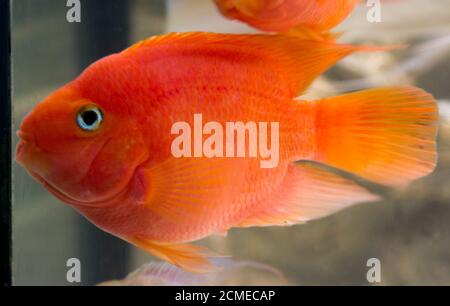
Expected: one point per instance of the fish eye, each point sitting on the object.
(89, 118)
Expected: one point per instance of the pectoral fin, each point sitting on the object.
(190, 257)
(188, 189)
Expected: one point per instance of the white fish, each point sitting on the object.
(232, 272)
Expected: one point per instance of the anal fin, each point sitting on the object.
(308, 193)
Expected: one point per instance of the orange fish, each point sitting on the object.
(308, 18)
(103, 142)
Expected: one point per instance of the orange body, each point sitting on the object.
(122, 175)
(285, 15)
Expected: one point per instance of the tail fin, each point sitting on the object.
(386, 135)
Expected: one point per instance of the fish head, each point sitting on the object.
(82, 151)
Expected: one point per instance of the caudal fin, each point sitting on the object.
(386, 135)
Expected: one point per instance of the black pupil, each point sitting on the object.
(89, 117)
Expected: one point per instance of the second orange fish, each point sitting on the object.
(313, 18)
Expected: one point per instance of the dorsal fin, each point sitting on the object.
(298, 60)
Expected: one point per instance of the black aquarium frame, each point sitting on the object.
(5, 144)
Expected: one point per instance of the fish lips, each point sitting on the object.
(29, 156)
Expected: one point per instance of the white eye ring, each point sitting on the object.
(89, 118)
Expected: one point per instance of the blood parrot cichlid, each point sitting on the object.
(103, 143)
(309, 18)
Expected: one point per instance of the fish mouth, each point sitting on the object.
(27, 137)
(28, 140)
(109, 201)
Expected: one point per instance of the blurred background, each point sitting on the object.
(409, 231)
